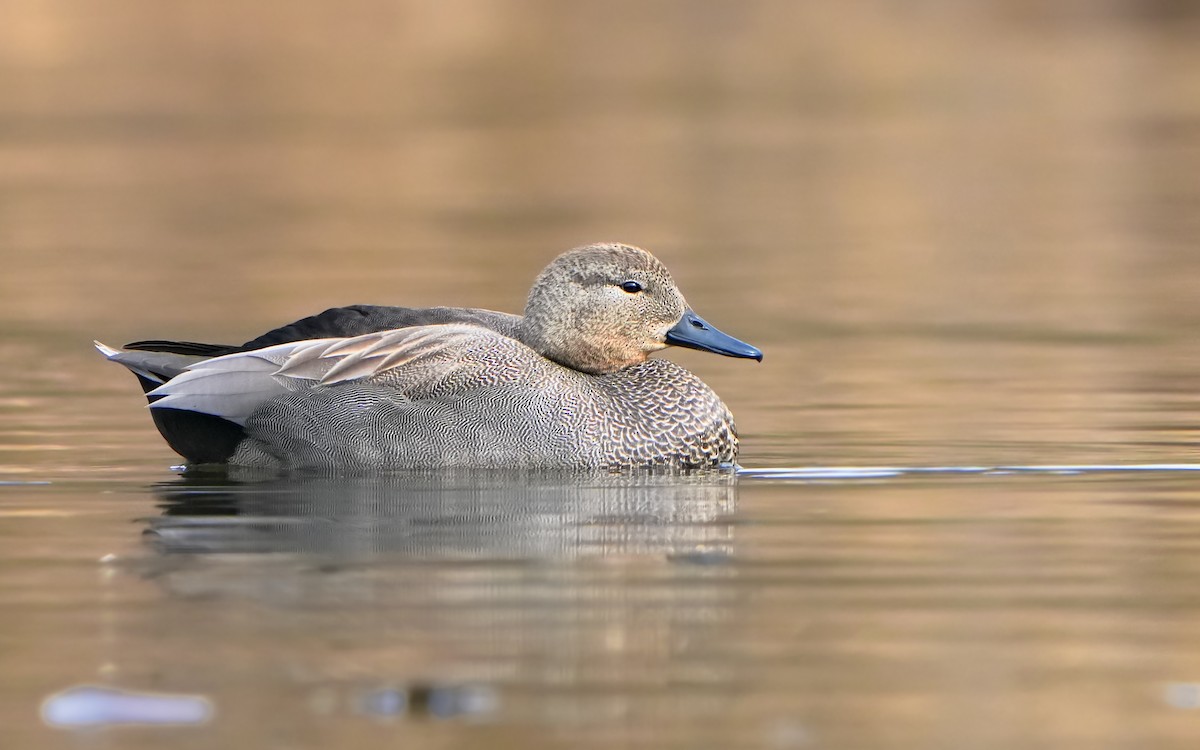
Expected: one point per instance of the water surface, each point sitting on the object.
(965, 238)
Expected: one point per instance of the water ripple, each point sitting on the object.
(851, 473)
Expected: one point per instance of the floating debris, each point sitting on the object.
(91, 706)
(437, 701)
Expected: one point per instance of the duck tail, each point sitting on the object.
(152, 367)
(199, 437)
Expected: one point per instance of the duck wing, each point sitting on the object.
(356, 320)
(343, 322)
(204, 436)
(414, 362)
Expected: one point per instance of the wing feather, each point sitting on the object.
(234, 386)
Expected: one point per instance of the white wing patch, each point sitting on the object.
(236, 385)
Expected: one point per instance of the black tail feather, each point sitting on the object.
(184, 347)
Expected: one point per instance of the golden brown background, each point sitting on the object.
(964, 233)
(870, 191)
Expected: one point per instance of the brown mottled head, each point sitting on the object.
(602, 307)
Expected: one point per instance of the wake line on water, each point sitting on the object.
(881, 472)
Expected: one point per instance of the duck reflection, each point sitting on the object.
(544, 597)
(448, 516)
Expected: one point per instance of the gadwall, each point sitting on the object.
(567, 385)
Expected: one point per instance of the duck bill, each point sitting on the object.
(694, 332)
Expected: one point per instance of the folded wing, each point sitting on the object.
(411, 360)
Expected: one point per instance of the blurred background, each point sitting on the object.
(964, 233)
(870, 191)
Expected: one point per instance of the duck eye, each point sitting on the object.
(631, 286)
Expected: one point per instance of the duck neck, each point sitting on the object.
(576, 353)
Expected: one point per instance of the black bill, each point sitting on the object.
(693, 332)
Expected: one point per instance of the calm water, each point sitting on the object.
(966, 239)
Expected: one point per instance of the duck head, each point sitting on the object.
(600, 308)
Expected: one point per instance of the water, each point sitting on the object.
(988, 610)
(965, 239)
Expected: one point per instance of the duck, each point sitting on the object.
(569, 384)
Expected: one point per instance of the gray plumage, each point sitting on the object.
(566, 385)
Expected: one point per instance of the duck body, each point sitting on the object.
(499, 404)
(567, 385)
